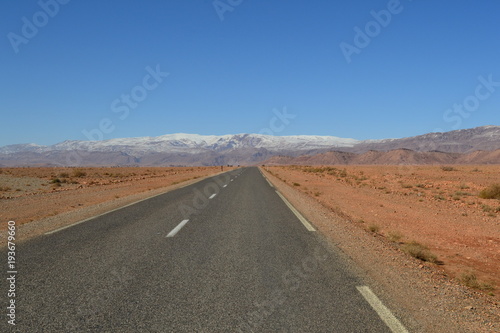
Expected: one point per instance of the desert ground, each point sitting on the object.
(438, 207)
(35, 194)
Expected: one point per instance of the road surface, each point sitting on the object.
(226, 254)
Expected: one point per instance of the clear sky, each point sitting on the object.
(365, 69)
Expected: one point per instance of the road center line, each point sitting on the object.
(212, 196)
(384, 313)
(296, 212)
(176, 229)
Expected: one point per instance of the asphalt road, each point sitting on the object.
(243, 262)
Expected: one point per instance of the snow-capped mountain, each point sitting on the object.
(191, 143)
(193, 149)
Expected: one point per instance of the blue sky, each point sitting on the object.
(225, 76)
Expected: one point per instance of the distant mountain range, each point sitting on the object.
(391, 157)
(191, 149)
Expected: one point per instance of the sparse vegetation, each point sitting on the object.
(419, 251)
(448, 168)
(296, 184)
(79, 173)
(491, 192)
(394, 236)
(373, 228)
(470, 280)
(486, 208)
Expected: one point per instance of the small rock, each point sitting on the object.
(469, 307)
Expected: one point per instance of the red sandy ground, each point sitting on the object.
(440, 209)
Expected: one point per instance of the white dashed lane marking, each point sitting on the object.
(176, 229)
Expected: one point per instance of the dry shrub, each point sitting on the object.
(469, 279)
(79, 173)
(419, 251)
(394, 236)
(491, 192)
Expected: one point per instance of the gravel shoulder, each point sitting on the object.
(421, 294)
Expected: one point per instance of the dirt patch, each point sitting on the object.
(371, 212)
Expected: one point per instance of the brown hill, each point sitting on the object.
(392, 157)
